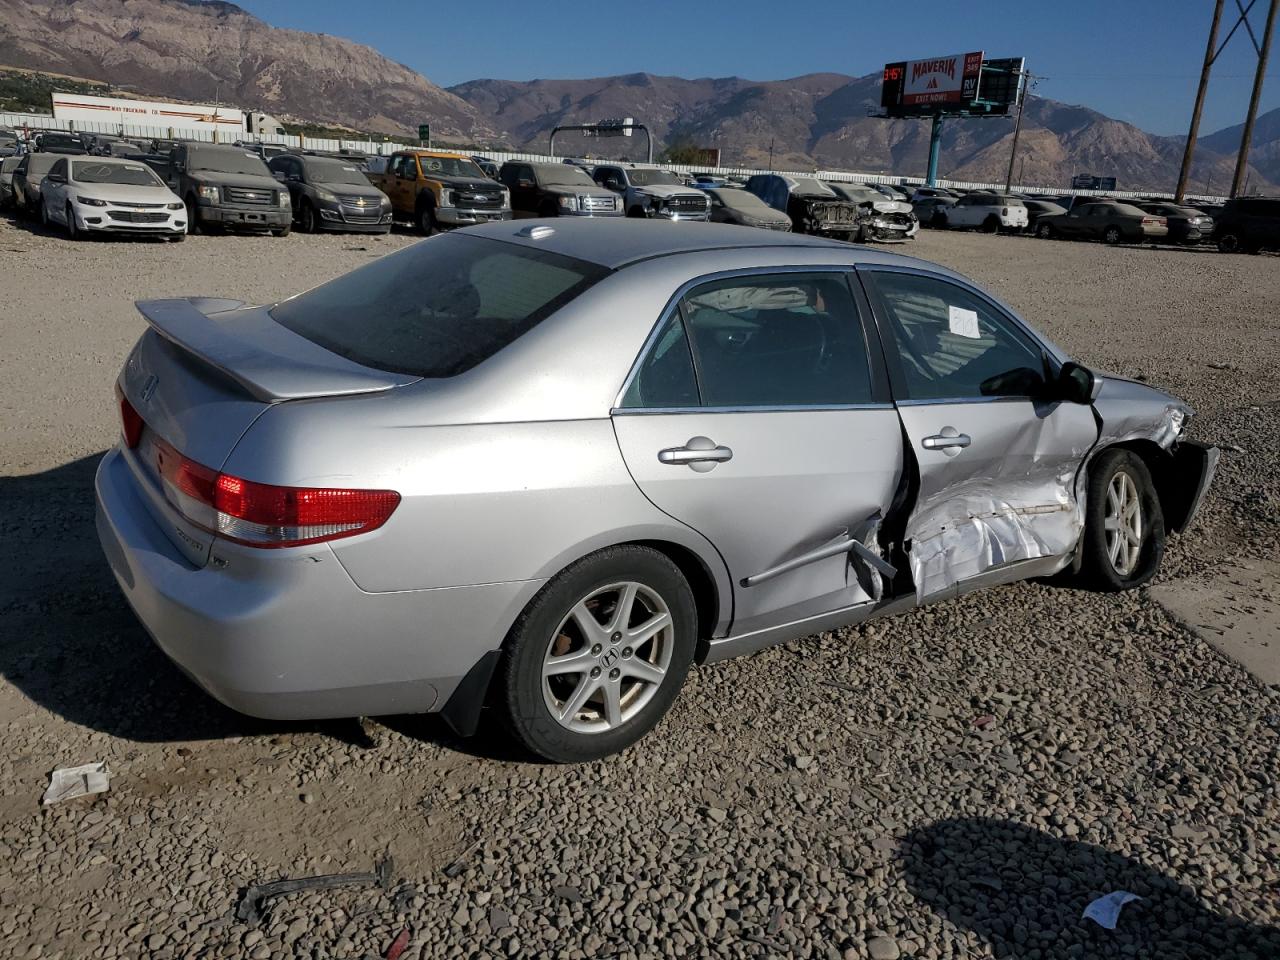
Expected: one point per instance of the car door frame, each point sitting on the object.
(1053, 357)
(57, 213)
(766, 634)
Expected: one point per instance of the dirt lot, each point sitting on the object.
(959, 782)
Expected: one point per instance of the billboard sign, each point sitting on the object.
(612, 127)
(1087, 181)
(82, 108)
(952, 79)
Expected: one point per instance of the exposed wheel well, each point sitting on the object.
(1172, 476)
(701, 583)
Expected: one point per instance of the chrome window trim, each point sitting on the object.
(957, 400)
(674, 302)
(795, 408)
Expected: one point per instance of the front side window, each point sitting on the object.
(953, 344)
(779, 340)
(437, 309)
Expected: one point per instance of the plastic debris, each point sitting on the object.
(1105, 911)
(77, 782)
(398, 945)
(251, 907)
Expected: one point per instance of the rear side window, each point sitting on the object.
(437, 309)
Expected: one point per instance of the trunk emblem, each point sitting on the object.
(149, 388)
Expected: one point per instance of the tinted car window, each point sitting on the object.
(665, 377)
(953, 344)
(437, 309)
(787, 339)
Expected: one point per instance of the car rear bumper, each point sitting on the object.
(286, 634)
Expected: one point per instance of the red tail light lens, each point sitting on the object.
(264, 515)
(130, 422)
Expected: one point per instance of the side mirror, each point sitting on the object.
(613, 184)
(524, 183)
(1077, 383)
(278, 174)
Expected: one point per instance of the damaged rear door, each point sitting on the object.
(996, 460)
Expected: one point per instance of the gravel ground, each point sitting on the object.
(958, 782)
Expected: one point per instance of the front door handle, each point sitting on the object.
(700, 453)
(946, 440)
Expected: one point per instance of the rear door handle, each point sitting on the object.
(699, 450)
(945, 441)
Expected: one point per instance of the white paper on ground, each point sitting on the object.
(1105, 911)
(77, 782)
(963, 323)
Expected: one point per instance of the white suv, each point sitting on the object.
(987, 211)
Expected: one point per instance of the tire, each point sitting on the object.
(73, 232)
(193, 210)
(1112, 236)
(636, 213)
(307, 218)
(282, 231)
(942, 221)
(426, 220)
(991, 225)
(178, 238)
(44, 215)
(548, 627)
(1230, 243)
(1106, 565)
(1045, 231)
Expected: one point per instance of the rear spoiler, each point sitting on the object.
(269, 361)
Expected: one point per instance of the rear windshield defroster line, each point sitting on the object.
(439, 307)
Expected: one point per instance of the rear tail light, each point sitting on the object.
(1155, 221)
(130, 422)
(265, 515)
(1004, 211)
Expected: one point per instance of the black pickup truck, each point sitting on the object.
(228, 187)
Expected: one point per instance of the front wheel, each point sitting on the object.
(426, 221)
(1124, 532)
(73, 231)
(282, 231)
(1044, 231)
(599, 655)
(307, 219)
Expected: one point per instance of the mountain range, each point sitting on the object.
(207, 49)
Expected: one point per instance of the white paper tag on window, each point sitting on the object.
(963, 323)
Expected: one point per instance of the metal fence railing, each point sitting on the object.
(35, 121)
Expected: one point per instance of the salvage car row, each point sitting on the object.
(180, 187)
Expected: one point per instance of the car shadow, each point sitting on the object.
(71, 644)
(1023, 892)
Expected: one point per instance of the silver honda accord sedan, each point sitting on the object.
(545, 467)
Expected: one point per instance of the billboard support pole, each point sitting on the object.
(1180, 191)
(1246, 139)
(935, 144)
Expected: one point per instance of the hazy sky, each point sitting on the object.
(1136, 60)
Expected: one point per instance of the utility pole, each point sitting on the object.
(1189, 150)
(1246, 139)
(1023, 82)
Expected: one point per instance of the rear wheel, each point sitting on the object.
(1124, 528)
(1230, 243)
(941, 221)
(1112, 235)
(991, 224)
(599, 655)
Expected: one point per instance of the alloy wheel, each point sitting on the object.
(608, 657)
(1123, 523)
(1112, 235)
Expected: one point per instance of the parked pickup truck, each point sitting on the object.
(228, 187)
(556, 190)
(435, 190)
(650, 192)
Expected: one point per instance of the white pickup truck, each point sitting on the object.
(991, 212)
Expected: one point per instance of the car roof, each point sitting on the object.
(617, 242)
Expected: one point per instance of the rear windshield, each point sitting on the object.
(438, 308)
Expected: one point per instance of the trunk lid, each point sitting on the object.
(202, 374)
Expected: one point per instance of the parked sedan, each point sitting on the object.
(732, 205)
(548, 467)
(1108, 221)
(331, 194)
(1186, 225)
(7, 166)
(28, 181)
(1038, 208)
(108, 195)
(932, 211)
